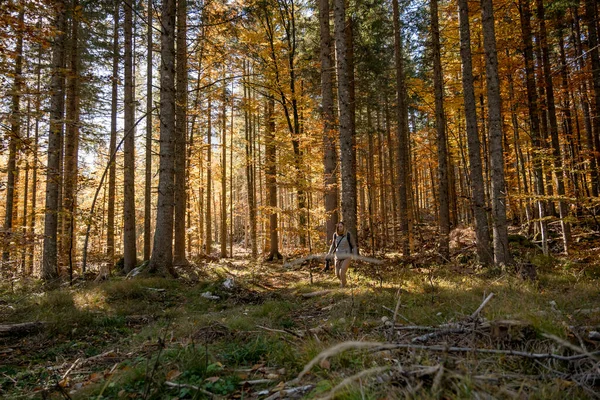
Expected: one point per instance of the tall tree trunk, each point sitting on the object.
(208, 219)
(593, 43)
(162, 250)
(224, 176)
(563, 207)
(15, 134)
(129, 237)
(401, 133)
(34, 179)
(71, 143)
(438, 82)
(498, 194)
(250, 168)
(532, 102)
(329, 149)
(346, 123)
(57, 102)
(148, 163)
(181, 134)
(585, 103)
(112, 173)
(271, 178)
(474, 147)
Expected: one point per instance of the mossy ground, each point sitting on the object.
(125, 338)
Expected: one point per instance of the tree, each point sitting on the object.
(477, 192)
(498, 193)
(271, 179)
(129, 237)
(53, 173)
(556, 152)
(15, 132)
(347, 138)
(329, 148)
(71, 142)
(148, 163)
(161, 261)
(112, 174)
(532, 103)
(440, 125)
(593, 43)
(179, 257)
(402, 134)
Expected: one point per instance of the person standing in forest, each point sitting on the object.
(342, 247)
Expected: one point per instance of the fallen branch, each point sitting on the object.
(290, 392)
(188, 386)
(487, 299)
(535, 356)
(317, 293)
(25, 328)
(431, 335)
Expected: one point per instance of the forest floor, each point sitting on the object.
(240, 329)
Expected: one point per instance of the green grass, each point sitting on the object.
(164, 329)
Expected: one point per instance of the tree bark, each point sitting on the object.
(532, 102)
(71, 144)
(563, 207)
(162, 250)
(271, 179)
(223, 238)
(129, 237)
(502, 254)
(15, 135)
(442, 151)
(148, 162)
(329, 148)
(208, 219)
(482, 233)
(53, 173)
(593, 42)
(112, 173)
(179, 257)
(346, 123)
(402, 134)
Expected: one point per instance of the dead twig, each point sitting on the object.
(193, 387)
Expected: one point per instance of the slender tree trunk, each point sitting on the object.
(162, 250)
(498, 194)
(71, 143)
(402, 134)
(585, 103)
(532, 101)
(129, 237)
(15, 135)
(208, 219)
(591, 19)
(112, 173)
(558, 168)
(250, 169)
(329, 152)
(179, 257)
(444, 214)
(148, 163)
(57, 101)
(34, 187)
(224, 176)
(346, 123)
(474, 147)
(271, 178)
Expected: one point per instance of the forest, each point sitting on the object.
(176, 174)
